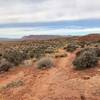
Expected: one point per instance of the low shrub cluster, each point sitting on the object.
(86, 58)
(4, 65)
(82, 44)
(39, 52)
(13, 56)
(17, 52)
(17, 56)
(50, 50)
(71, 47)
(95, 51)
(45, 63)
(35, 52)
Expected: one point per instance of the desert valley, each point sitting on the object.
(49, 49)
(60, 68)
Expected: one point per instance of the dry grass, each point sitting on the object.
(12, 84)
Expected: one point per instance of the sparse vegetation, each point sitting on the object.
(45, 63)
(19, 52)
(12, 84)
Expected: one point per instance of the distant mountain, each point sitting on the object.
(90, 37)
(41, 37)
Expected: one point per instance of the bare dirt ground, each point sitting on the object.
(61, 82)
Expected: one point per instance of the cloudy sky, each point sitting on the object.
(63, 17)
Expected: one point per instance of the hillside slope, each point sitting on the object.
(90, 37)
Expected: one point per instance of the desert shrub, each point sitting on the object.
(96, 45)
(85, 60)
(0, 55)
(45, 62)
(4, 65)
(83, 50)
(39, 52)
(30, 54)
(95, 51)
(12, 84)
(50, 50)
(34, 52)
(23, 54)
(82, 44)
(71, 47)
(14, 56)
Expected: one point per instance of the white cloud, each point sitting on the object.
(48, 10)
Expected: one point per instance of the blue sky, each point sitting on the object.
(61, 17)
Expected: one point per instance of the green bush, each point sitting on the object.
(34, 52)
(81, 51)
(85, 60)
(95, 51)
(4, 65)
(14, 56)
(45, 63)
(37, 52)
(83, 44)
